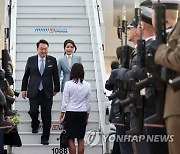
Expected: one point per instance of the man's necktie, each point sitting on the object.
(41, 71)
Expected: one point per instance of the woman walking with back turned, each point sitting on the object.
(76, 107)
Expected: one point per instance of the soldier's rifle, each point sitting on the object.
(154, 70)
(120, 91)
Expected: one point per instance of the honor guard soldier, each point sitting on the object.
(168, 55)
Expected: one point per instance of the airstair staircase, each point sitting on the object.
(56, 21)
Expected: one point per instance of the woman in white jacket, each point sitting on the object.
(75, 107)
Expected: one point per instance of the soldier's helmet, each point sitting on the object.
(170, 4)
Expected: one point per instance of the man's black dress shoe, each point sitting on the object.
(35, 130)
(44, 142)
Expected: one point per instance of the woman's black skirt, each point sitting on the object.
(75, 124)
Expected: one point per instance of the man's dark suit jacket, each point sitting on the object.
(32, 77)
(109, 85)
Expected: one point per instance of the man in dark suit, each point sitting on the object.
(40, 83)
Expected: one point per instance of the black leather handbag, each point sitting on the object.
(12, 138)
(63, 138)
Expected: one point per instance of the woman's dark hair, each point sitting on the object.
(69, 41)
(77, 72)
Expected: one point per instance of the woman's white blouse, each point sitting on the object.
(76, 97)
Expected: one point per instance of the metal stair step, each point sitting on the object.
(30, 138)
(69, 29)
(26, 126)
(92, 82)
(55, 9)
(53, 37)
(54, 3)
(54, 46)
(24, 104)
(56, 22)
(88, 73)
(51, 15)
(23, 114)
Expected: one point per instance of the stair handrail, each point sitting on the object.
(100, 92)
(99, 25)
(13, 36)
(12, 46)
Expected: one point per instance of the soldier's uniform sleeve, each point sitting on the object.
(169, 55)
(124, 74)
